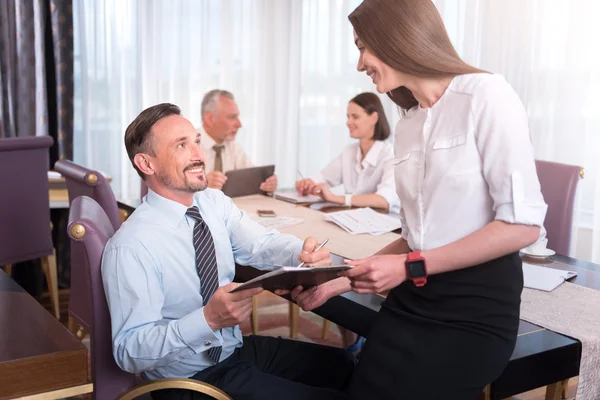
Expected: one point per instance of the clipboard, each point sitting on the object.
(289, 277)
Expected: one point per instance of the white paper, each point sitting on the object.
(276, 222)
(544, 278)
(294, 197)
(364, 220)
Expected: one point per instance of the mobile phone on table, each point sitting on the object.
(266, 213)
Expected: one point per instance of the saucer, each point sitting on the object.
(539, 254)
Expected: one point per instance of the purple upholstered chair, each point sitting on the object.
(89, 230)
(25, 232)
(559, 186)
(85, 182)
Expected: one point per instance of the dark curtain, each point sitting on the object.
(36, 87)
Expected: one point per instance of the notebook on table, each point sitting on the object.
(289, 277)
(246, 181)
(294, 197)
(544, 278)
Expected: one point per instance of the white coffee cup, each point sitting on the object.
(538, 247)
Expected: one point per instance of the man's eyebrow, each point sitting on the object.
(180, 139)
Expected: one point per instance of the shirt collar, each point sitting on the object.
(205, 139)
(172, 211)
(372, 155)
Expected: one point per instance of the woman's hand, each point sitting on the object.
(305, 186)
(316, 296)
(376, 274)
(324, 191)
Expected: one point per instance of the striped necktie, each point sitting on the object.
(206, 265)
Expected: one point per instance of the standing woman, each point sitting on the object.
(363, 167)
(470, 199)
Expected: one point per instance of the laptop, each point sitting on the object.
(244, 182)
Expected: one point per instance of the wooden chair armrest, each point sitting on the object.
(175, 383)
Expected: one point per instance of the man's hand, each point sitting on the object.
(270, 184)
(226, 309)
(216, 179)
(319, 257)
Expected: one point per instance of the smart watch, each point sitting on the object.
(416, 269)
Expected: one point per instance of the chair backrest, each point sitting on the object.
(24, 202)
(559, 187)
(86, 182)
(90, 229)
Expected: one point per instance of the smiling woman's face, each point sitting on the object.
(384, 77)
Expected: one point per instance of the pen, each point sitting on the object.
(300, 174)
(319, 247)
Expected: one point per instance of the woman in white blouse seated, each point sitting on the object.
(364, 168)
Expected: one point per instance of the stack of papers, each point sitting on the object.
(276, 222)
(364, 220)
(294, 197)
(544, 278)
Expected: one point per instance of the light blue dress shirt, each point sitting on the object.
(153, 289)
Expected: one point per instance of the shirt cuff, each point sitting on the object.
(528, 214)
(391, 197)
(196, 332)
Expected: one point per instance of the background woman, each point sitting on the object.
(363, 167)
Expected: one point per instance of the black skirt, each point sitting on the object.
(446, 340)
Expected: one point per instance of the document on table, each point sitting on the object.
(364, 220)
(544, 278)
(276, 222)
(294, 197)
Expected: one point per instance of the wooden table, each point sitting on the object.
(541, 357)
(39, 357)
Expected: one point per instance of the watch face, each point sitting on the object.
(416, 269)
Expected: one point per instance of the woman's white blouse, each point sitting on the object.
(465, 162)
(374, 174)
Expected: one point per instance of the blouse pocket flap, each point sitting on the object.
(448, 143)
(398, 160)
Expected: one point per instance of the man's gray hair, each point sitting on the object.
(209, 102)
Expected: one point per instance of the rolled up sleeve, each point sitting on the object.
(502, 137)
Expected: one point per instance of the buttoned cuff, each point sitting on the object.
(196, 332)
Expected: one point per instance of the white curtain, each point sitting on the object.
(292, 67)
(290, 64)
(547, 50)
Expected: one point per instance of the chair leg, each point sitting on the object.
(8, 269)
(254, 316)
(326, 325)
(487, 392)
(554, 391)
(49, 268)
(294, 315)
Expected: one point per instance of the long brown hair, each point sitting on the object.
(370, 103)
(409, 36)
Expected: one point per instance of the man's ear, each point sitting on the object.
(207, 118)
(144, 163)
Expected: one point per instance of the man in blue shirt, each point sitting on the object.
(168, 273)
